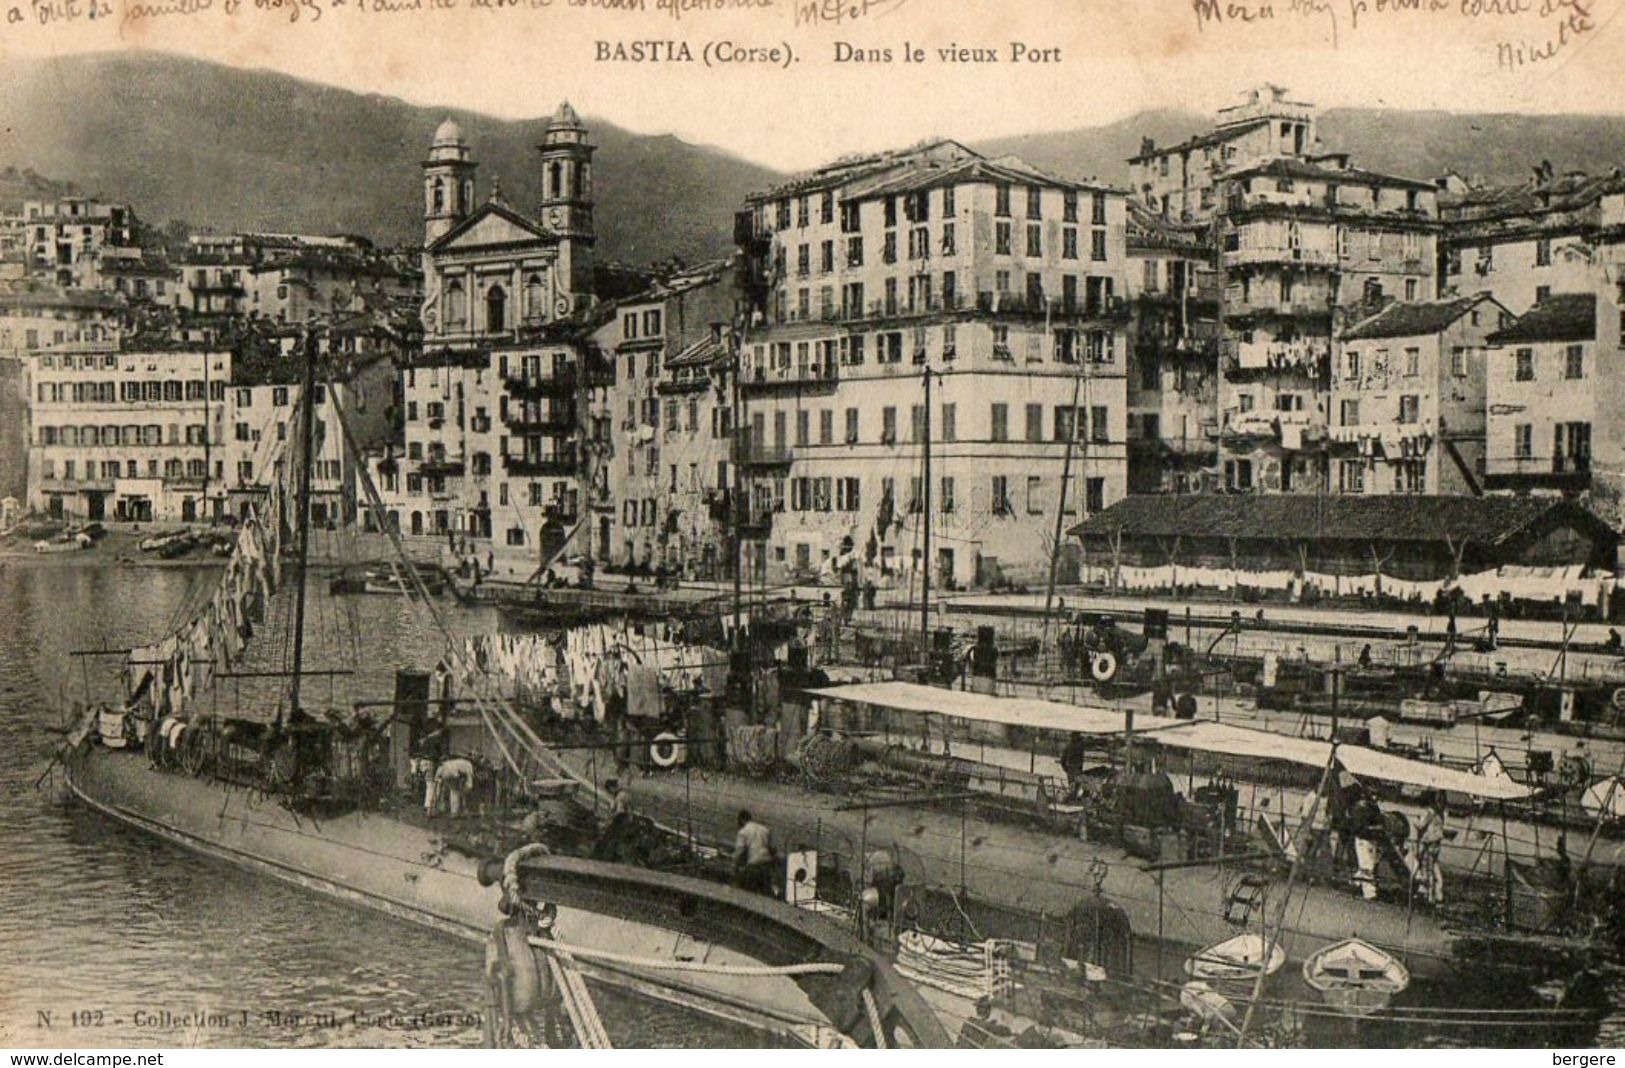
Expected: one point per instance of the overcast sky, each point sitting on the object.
(1114, 60)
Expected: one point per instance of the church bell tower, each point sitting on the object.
(448, 182)
(566, 207)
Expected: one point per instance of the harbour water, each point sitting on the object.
(109, 937)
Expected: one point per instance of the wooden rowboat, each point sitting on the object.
(1354, 977)
(1231, 967)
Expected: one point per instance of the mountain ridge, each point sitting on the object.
(245, 149)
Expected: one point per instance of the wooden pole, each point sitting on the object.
(1273, 937)
(307, 438)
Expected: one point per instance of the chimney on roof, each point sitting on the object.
(1148, 145)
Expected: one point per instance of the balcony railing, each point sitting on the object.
(562, 380)
(560, 512)
(1308, 257)
(540, 466)
(757, 526)
(75, 485)
(756, 455)
(802, 374)
(547, 423)
(441, 466)
(1310, 304)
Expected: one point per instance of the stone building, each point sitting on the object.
(1173, 365)
(133, 435)
(491, 459)
(1408, 398)
(1548, 404)
(1308, 243)
(670, 476)
(930, 306)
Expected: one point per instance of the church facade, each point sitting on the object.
(491, 408)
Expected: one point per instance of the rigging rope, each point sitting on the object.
(578, 1003)
(699, 967)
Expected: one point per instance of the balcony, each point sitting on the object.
(539, 466)
(442, 467)
(561, 513)
(76, 485)
(1282, 254)
(757, 526)
(541, 423)
(1314, 304)
(756, 455)
(563, 380)
(1197, 448)
(816, 373)
(1041, 307)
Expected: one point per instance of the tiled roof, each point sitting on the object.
(1277, 517)
(913, 169)
(703, 353)
(1415, 319)
(1148, 230)
(1298, 168)
(1519, 202)
(36, 295)
(1213, 137)
(1561, 317)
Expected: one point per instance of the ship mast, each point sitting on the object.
(925, 550)
(307, 443)
(1066, 475)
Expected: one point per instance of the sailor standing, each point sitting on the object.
(753, 856)
(453, 779)
(1426, 843)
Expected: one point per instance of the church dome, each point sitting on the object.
(565, 118)
(448, 133)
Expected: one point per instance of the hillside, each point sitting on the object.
(229, 149)
(251, 150)
(1419, 144)
(17, 186)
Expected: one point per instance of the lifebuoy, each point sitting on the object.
(667, 750)
(1574, 770)
(1617, 699)
(1103, 666)
(195, 753)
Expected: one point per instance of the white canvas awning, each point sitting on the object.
(1219, 738)
(1366, 763)
(1011, 711)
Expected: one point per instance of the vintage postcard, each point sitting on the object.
(811, 523)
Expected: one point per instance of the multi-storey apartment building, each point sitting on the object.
(305, 283)
(1552, 251)
(671, 422)
(1173, 362)
(1553, 234)
(1547, 398)
(491, 459)
(35, 315)
(1408, 398)
(1181, 182)
(262, 416)
(63, 239)
(931, 306)
(1309, 246)
(128, 435)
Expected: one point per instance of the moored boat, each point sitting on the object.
(1356, 978)
(323, 799)
(1233, 967)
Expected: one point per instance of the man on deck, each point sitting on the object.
(1426, 844)
(753, 856)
